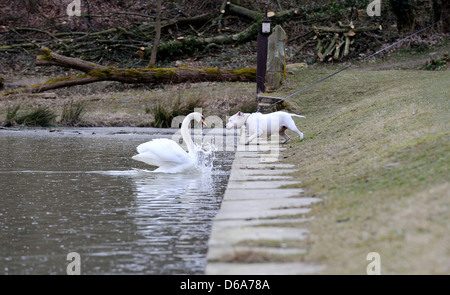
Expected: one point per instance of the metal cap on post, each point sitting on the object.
(265, 26)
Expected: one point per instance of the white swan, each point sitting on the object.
(167, 154)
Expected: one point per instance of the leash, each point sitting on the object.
(245, 122)
(344, 68)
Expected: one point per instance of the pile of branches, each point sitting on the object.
(333, 43)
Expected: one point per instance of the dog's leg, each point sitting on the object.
(284, 135)
(253, 136)
(299, 133)
(291, 126)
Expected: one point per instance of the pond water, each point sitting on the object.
(77, 190)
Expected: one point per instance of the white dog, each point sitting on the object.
(265, 124)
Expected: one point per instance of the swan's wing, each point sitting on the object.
(162, 152)
(155, 144)
(164, 147)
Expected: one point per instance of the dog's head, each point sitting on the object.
(236, 121)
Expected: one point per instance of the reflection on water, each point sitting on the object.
(70, 193)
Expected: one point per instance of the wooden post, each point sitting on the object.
(261, 54)
(261, 63)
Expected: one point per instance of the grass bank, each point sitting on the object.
(376, 150)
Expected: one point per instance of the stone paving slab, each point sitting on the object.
(263, 171)
(259, 177)
(259, 148)
(259, 184)
(271, 213)
(262, 159)
(262, 268)
(257, 222)
(227, 236)
(266, 204)
(228, 253)
(255, 175)
(260, 193)
(260, 166)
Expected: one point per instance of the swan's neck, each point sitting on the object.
(186, 134)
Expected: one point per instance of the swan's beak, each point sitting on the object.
(203, 122)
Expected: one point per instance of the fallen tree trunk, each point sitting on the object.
(189, 44)
(252, 15)
(95, 73)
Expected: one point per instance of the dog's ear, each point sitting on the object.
(239, 113)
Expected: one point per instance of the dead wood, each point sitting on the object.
(95, 73)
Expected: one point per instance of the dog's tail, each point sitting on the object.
(299, 116)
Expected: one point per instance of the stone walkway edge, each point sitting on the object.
(257, 227)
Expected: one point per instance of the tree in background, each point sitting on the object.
(403, 11)
(441, 11)
(157, 35)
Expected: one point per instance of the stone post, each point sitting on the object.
(276, 59)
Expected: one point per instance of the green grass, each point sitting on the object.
(164, 112)
(39, 117)
(376, 150)
(11, 114)
(72, 113)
